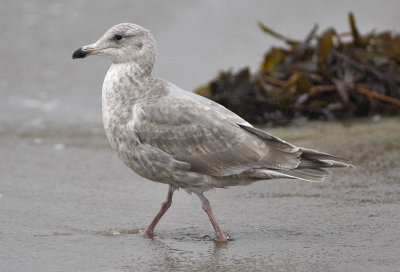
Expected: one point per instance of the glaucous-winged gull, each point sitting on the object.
(172, 136)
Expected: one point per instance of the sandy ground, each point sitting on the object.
(68, 204)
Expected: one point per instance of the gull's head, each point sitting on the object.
(123, 43)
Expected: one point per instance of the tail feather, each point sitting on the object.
(312, 167)
(313, 175)
(313, 163)
(306, 164)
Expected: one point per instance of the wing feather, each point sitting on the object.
(208, 136)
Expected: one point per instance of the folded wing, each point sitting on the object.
(209, 137)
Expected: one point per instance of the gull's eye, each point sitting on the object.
(118, 37)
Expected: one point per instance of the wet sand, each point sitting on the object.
(68, 204)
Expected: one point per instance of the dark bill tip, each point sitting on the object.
(79, 54)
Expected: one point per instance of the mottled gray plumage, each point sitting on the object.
(176, 137)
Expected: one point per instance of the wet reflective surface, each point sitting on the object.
(68, 204)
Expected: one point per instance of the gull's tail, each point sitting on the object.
(312, 164)
(312, 167)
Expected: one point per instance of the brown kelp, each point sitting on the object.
(326, 76)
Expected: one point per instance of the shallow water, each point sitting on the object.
(68, 204)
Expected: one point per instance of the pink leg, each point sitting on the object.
(164, 207)
(221, 236)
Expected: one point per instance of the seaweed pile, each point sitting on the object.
(326, 77)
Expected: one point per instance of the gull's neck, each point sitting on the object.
(124, 85)
(123, 81)
(131, 69)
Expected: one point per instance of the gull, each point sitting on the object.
(172, 136)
